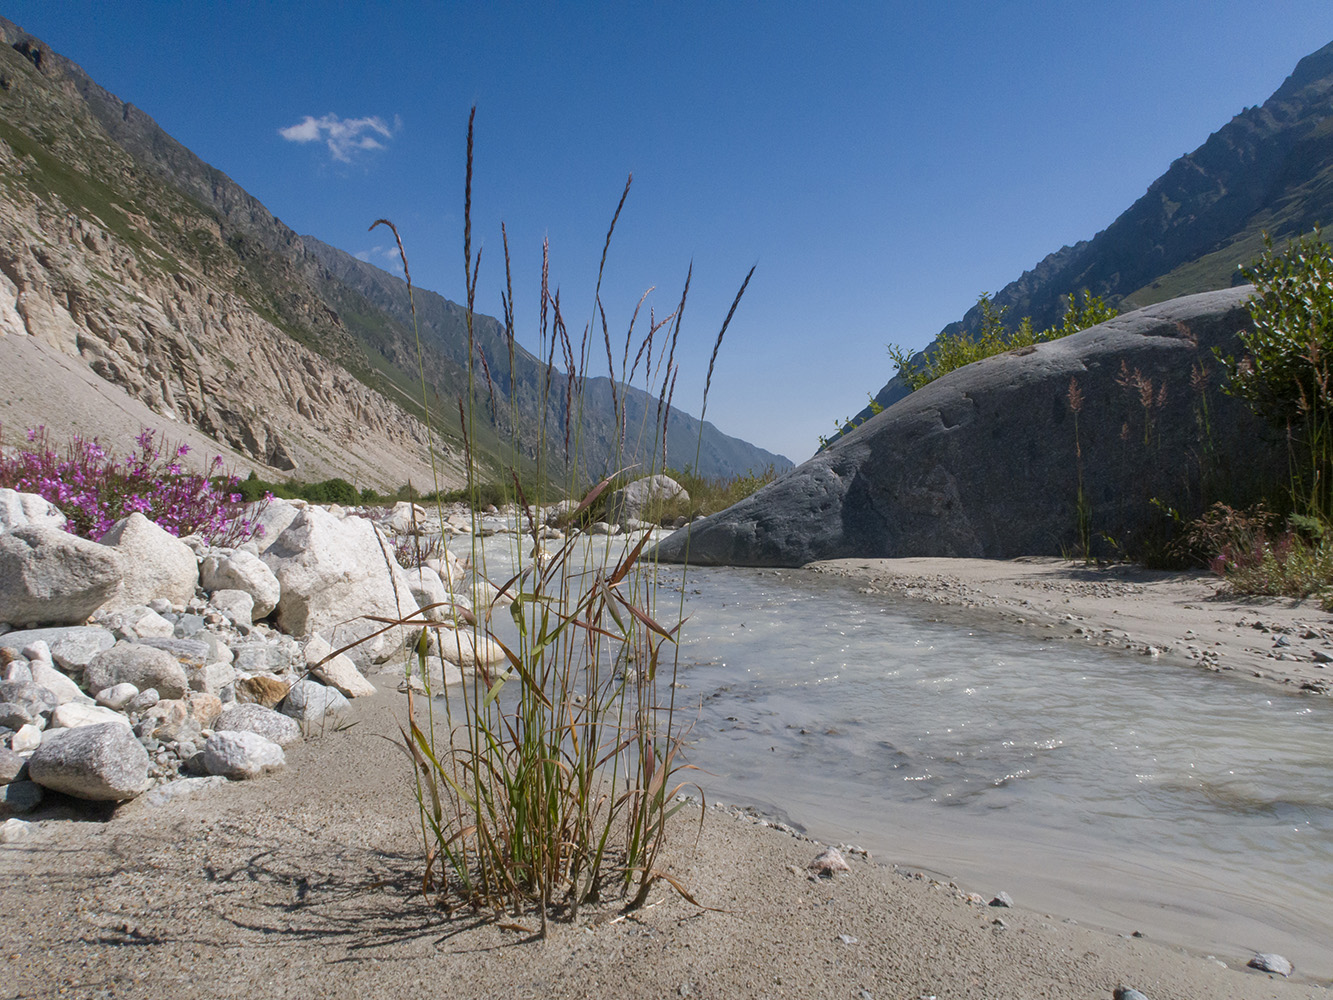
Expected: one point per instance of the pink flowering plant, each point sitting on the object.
(94, 489)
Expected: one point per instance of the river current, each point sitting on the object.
(1088, 783)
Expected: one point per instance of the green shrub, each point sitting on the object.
(1286, 370)
(954, 350)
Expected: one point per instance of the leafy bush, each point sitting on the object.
(1286, 372)
(94, 490)
(955, 350)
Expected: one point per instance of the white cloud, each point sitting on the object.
(385, 257)
(343, 136)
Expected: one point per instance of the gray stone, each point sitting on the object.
(983, 462)
(11, 765)
(188, 652)
(143, 701)
(71, 646)
(12, 831)
(266, 722)
(241, 755)
(47, 676)
(117, 696)
(18, 798)
(188, 626)
(142, 665)
(50, 577)
(19, 509)
(32, 697)
(13, 715)
(645, 499)
(27, 738)
(156, 563)
(102, 763)
(74, 716)
(336, 671)
(212, 678)
(237, 569)
(16, 671)
(1269, 962)
(1002, 899)
(1128, 993)
(309, 700)
(237, 605)
(182, 789)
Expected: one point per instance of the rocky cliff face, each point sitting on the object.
(987, 461)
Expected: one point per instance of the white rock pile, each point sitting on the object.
(144, 659)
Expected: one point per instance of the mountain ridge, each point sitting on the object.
(1270, 168)
(79, 150)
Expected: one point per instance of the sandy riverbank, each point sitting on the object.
(1180, 617)
(306, 884)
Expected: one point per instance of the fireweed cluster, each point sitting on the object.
(94, 489)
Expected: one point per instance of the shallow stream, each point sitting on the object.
(1090, 784)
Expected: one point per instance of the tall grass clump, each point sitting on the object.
(94, 488)
(545, 779)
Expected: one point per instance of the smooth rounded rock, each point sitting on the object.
(50, 577)
(134, 663)
(250, 718)
(156, 563)
(309, 701)
(75, 716)
(241, 755)
(117, 696)
(102, 763)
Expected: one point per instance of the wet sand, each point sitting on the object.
(1187, 618)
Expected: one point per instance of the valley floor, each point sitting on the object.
(307, 884)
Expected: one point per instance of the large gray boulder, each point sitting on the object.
(50, 577)
(156, 563)
(333, 572)
(103, 762)
(985, 461)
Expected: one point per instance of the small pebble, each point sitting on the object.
(829, 861)
(1128, 993)
(1002, 899)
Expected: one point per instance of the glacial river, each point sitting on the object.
(1089, 784)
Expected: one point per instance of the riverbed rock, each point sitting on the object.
(72, 646)
(134, 663)
(465, 647)
(18, 798)
(985, 462)
(1269, 962)
(266, 722)
(102, 763)
(333, 573)
(336, 671)
(238, 569)
(310, 701)
(241, 755)
(156, 563)
(73, 716)
(645, 498)
(50, 577)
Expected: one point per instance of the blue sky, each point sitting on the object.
(881, 163)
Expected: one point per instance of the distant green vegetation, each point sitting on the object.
(954, 350)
